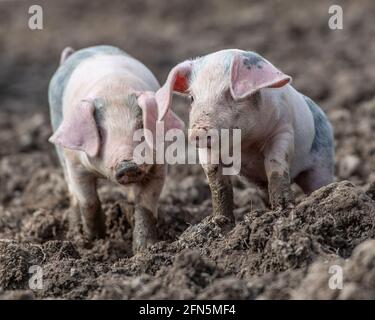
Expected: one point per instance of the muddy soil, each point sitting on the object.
(289, 254)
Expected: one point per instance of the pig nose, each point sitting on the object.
(203, 142)
(127, 168)
(200, 137)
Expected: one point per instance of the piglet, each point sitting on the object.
(285, 136)
(99, 97)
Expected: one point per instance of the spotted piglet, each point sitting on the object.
(285, 136)
(99, 97)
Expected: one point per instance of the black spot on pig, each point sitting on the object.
(255, 100)
(252, 59)
(62, 76)
(99, 104)
(323, 140)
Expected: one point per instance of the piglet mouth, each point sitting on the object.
(201, 138)
(128, 172)
(201, 142)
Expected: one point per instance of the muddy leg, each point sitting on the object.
(83, 186)
(279, 190)
(146, 196)
(221, 192)
(74, 216)
(277, 156)
(144, 232)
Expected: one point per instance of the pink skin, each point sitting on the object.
(87, 138)
(277, 126)
(107, 98)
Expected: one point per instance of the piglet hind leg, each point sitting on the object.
(221, 193)
(82, 185)
(277, 156)
(315, 178)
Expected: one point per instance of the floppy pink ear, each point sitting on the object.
(78, 130)
(177, 81)
(251, 72)
(149, 114)
(148, 104)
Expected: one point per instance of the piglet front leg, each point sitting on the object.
(144, 230)
(280, 193)
(145, 197)
(143, 222)
(82, 185)
(221, 192)
(277, 155)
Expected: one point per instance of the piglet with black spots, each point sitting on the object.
(285, 136)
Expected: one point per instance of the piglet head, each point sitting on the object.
(124, 122)
(78, 130)
(178, 82)
(104, 129)
(222, 87)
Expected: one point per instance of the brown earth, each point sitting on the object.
(269, 254)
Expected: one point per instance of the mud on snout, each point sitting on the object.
(127, 172)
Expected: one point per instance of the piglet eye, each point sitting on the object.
(191, 98)
(228, 96)
(100, 131)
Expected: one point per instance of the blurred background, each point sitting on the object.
(334, 67)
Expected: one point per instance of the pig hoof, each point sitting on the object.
(282, 203)
(140, 245)
(99, 235)
(290, 205)
(95, 236)
(226, 223)
(96, 233)
(280, 193)
(74, 231)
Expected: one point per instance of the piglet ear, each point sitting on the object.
(147, 102)
(250, 73)
(78, 130)
(177, 81)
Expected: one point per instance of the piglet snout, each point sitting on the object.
(127, 172)
(200, 136)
